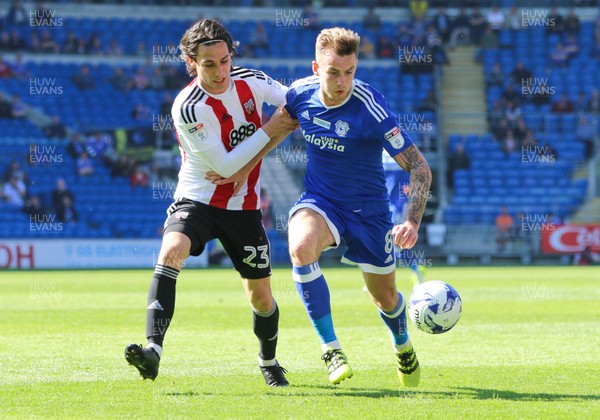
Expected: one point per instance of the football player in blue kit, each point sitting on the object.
(347, 124)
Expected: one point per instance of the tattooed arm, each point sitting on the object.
(412, 161)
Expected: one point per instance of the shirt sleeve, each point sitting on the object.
(274, 92)
(290, 103)
(204, 138)
(388, 132)
(268, 91)
(396, 139)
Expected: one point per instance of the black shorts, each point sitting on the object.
(241, 233)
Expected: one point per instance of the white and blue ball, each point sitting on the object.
(434, 307)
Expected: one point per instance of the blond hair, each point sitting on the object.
(340, 41)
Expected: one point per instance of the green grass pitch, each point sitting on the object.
(527, 346)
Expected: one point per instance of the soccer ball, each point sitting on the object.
(434, 307)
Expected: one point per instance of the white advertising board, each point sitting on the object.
(84, 253)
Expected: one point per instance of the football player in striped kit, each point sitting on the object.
(219, 128)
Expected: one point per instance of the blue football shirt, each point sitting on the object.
(345, 142)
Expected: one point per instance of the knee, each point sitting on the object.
(386, 299)
(261, 299)
(174, 251)
(303, 252)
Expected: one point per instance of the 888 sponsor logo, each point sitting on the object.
(239, 135)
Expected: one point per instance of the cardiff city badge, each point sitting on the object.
(341, 128)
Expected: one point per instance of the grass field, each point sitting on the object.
(527, 346)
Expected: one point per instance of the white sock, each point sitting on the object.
(400, 347)
(156, 348)
(263, 363)
(331, 345)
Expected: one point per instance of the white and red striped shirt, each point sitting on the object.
(209, 126)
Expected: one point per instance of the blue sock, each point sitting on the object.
(313, 290)
(396, 321)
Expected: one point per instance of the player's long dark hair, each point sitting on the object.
(201, 32)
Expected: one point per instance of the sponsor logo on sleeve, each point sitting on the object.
(199, 131)
(394, 136)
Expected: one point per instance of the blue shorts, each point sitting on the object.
(368, 234)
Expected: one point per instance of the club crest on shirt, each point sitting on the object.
(249, 106)
(199, 131)
(394, 136)
(341, 128)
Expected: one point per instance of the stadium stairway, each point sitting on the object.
(463, 94)
(589, 213)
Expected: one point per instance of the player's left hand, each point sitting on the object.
(239, 179)
(406, 235)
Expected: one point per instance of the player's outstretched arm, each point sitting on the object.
(279, 126)
(228, 163)
(412, 161)
(240, 177)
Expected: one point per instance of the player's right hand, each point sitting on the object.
(406, 235)
(238, 179)
(280, 124)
